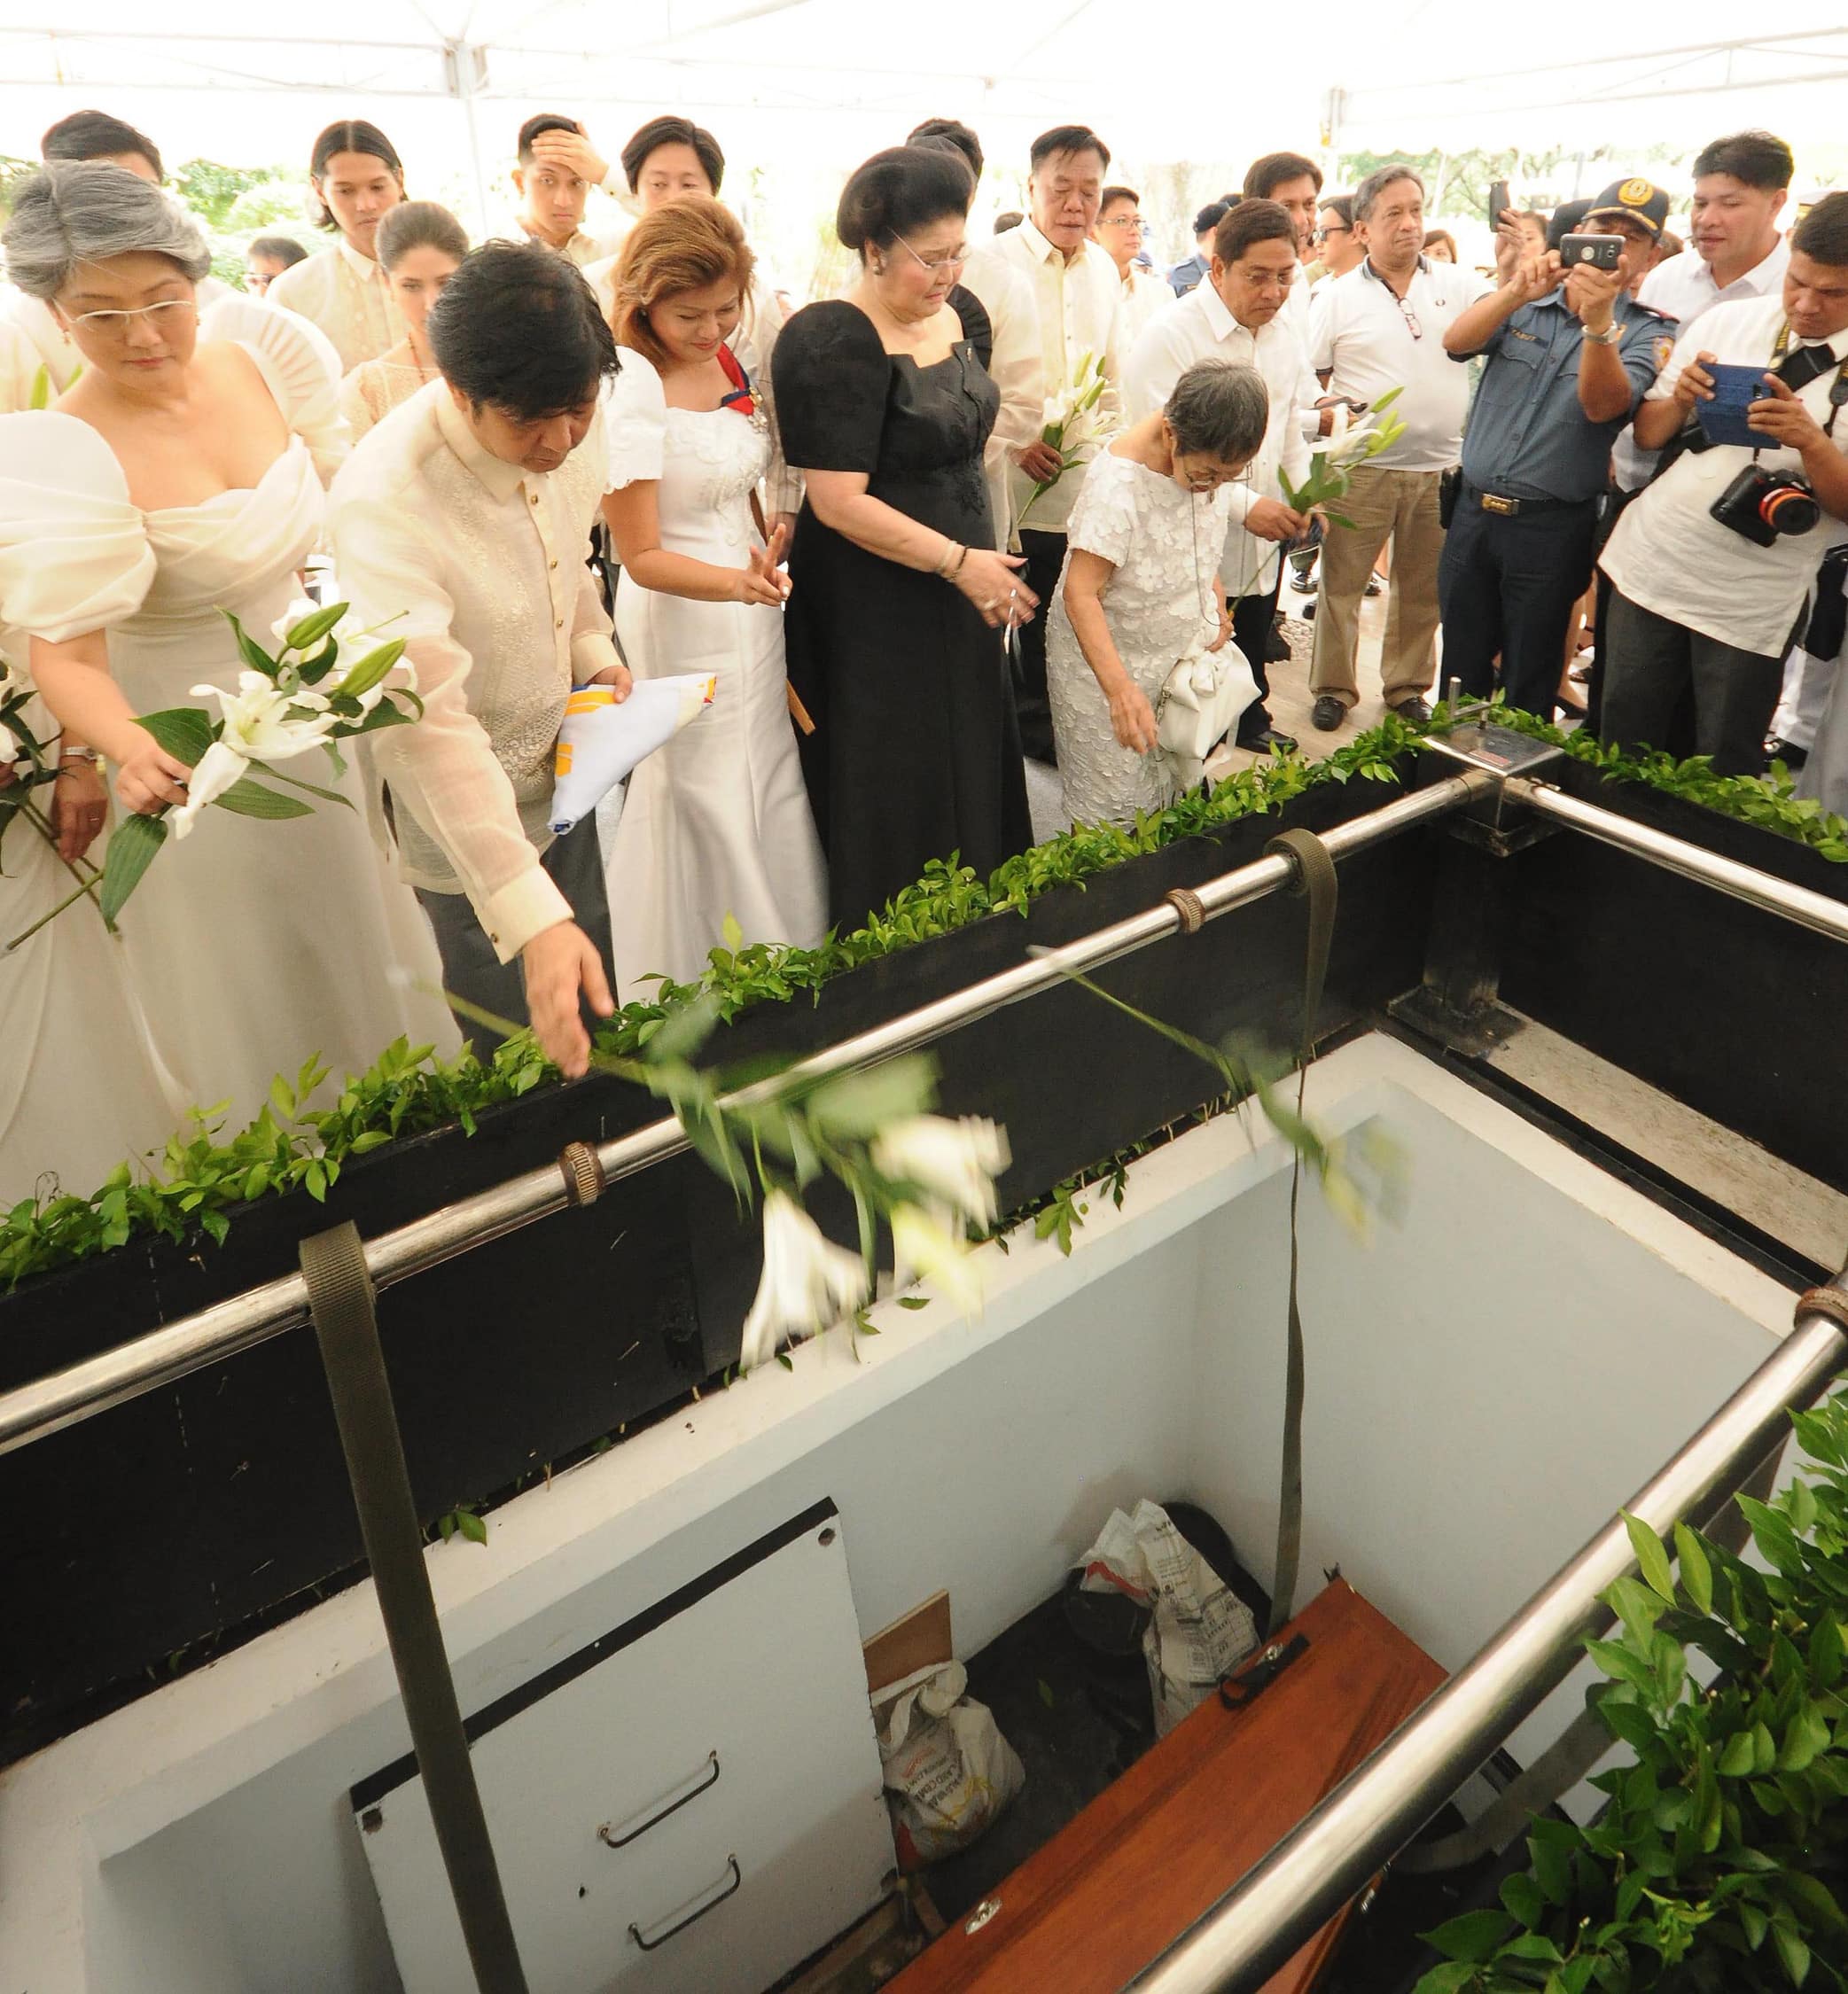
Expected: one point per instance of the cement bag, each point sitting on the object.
(948, 1770)
(1200, 1631)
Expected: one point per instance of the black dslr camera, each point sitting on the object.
(1762, 504)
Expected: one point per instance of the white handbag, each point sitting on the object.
(1200, 702)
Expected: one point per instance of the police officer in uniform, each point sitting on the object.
(1570, 355)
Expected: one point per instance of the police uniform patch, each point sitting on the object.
(1635, 193)
(1663, 348)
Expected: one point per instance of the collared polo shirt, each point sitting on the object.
(1683, 289)
(1528, 438)
(1670, 555)
(1368, 344)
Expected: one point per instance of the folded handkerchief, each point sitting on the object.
(600, 742)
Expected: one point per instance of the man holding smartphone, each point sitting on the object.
(1711, 566)
(1570, 355)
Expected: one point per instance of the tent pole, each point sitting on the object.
(466, 67)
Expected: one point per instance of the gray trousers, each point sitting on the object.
(471, 969)
(1651, 663)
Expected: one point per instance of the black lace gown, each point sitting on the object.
(916, 753)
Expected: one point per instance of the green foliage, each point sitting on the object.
(1719, 1864)
(409, 1091)
(1770, 802)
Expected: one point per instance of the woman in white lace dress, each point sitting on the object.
(180, 476)
(1141, 589)
(716, 824)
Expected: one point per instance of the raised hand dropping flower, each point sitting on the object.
(1333, 461)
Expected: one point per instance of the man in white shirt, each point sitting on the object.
(1236, 313)
(1075, 289)
(1336, 240)
(1118, 232)
(461, 524)
(554, 190)
(1705, 605)
(1378, 327)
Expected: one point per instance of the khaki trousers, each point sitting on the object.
(1400, 506)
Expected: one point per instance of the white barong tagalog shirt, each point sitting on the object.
(348, 296)
(1200, 327)
(1078, 306)
(480, 566)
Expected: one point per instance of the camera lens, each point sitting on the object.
(1788, 509)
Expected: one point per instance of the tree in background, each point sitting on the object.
(236, 203)
(1457, 184)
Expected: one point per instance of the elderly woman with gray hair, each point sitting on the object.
(1141, 590)
(180, 476)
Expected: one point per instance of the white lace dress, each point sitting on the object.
(249, 946)
(1163, 540)
(717, 823)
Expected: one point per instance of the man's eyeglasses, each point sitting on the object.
(1134, 222)
(1410, 315)
(115, 325)
(1322, 235)
(955, 261)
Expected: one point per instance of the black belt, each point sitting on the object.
(1514, 508)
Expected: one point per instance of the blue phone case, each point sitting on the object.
(1735, 389)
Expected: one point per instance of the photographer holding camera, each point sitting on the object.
(1710, 565)
(1570, 354)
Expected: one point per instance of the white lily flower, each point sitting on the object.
(954, 1160)
(808, 1281)
(217, 769)
(928, 1245)
(264, 723)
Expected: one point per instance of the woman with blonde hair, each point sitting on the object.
(716, 826)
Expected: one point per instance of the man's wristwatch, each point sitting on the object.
(1608, 337)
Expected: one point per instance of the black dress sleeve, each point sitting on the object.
(831, 378)
(977, 327)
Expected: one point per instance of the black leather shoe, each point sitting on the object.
(1415, 712)
(1779, 749)
(1328, 713)
(1276, 645)
(1264, 739)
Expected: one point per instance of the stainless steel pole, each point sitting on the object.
(1674, 854)
(31, 1411)
(1330, 1856)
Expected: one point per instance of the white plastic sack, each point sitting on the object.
(600, 742)
(1201, 1629)
(948, 1770)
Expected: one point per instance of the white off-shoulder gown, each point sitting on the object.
(716, 822)
(250, 945)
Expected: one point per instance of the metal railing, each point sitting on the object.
(1340, 1846)
(29, 1412)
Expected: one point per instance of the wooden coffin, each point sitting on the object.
(1123, 1880)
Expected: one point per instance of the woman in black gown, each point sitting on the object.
(895, 622)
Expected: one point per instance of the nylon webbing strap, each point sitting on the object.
(1315, 879)
(340, 1300)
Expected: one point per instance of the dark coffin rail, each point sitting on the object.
(204, 1507)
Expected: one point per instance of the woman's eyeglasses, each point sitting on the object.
(115, 325)
(955, 261)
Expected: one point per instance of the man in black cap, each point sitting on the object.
(1570, 355)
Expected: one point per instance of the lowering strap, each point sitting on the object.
(340, 1300)
(1315, 879)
